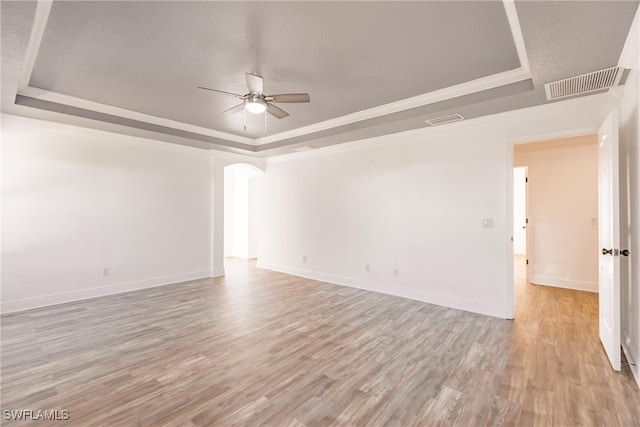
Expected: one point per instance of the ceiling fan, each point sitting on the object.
(257, 102)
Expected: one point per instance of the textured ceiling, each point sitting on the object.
(149, 57)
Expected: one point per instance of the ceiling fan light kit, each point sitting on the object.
(255, 105)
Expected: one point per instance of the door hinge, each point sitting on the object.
(527, 262)
(526, 179)
(527, 221)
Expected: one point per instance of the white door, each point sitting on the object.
(609, 238)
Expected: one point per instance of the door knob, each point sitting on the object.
(607, 251)
(624, 252)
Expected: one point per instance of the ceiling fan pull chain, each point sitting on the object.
(245, 120)
(265, 125)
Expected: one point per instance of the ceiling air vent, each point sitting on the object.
(444, 120)
(584, 83)
(304, 148)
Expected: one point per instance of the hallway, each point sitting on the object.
(559, 369)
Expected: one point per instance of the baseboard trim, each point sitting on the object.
(217, 273)
(82, 294)
(563, 283)
(635, 369)
(450, 301)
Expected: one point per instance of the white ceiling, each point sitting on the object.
(370, 67)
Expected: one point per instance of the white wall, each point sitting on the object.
(519, 210)
(77, 201)
(255, 215)
(563, 211)
(229, 217)
(240, 211)
(630, 199)
(414, 202)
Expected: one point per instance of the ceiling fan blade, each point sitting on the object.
(290, 97)
(235, 109)
(255, 83)
(276, 111)
(221, 91)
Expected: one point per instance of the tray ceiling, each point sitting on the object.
(370, 67)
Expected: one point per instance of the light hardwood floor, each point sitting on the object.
(264, 348)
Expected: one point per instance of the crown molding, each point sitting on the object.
(630, 51)
(43, 9)
(516, 32)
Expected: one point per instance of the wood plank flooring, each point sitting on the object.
(264, 348)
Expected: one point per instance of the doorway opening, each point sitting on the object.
(555, 217)
(242, 188)
(520, 221)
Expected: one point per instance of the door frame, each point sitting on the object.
(510, 144)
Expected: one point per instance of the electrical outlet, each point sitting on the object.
(396, 272)
(105, 272)
(367, 268)
(304, 258)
